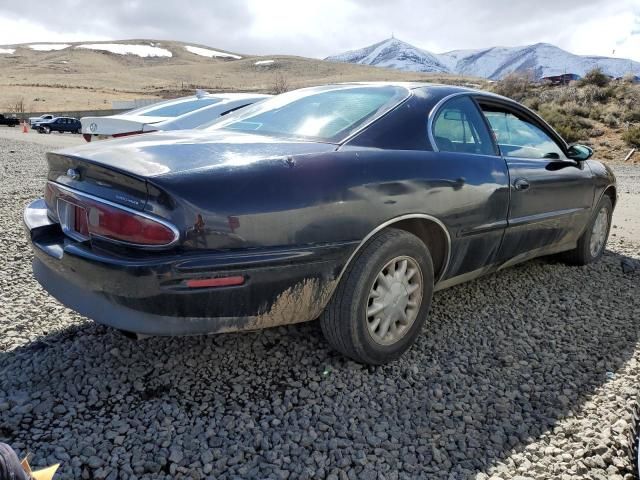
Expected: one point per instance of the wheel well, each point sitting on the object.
(433, 236)
(611, 193)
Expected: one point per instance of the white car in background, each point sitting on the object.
(41, 118)
(178, 114)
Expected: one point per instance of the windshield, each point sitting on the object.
(323, 113)
(174, 109)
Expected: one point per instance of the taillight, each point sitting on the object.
(83, 216)
(215, 282)
(126, 134)
(125, 226)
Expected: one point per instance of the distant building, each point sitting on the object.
(563, 79)
(630, 78)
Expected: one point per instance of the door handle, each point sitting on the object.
(521, 184)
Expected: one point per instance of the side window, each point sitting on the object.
(518, 137)
(459, 127)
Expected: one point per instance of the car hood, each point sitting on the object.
(167, 153)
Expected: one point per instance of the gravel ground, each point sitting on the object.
(528, 373)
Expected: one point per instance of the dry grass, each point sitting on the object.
(74, 79)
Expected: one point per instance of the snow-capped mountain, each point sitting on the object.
(393, 53)
(542, 59)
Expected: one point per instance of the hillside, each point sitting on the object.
(596, 111)
(541, 59)
(89, 76)
(75, 76)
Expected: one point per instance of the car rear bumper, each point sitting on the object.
(148, 294)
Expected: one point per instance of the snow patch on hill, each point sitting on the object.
(264, 62)
(127, 49)
(7, 51)
(207, 52)
(48, 47)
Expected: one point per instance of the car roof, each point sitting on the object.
(194, 118)
(438, 90)
(204, 96)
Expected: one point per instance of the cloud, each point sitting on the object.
(324, 27)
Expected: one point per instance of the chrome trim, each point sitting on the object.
(491, 96)
(396, 220)
(67, 219)
(153, 218)
(434, 111)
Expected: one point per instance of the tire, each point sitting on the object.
(584, 254)
(345, 322)
(46, 130)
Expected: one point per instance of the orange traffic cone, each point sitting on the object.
(24, 127)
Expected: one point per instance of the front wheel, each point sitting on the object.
(383, 299)
(46, 130)
(594, 239)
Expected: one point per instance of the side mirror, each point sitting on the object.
(579, 153)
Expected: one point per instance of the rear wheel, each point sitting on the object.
(46, 130)
(383, 299)
(594, 239)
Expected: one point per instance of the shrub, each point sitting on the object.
(611, 120)
(632, 136)
(514, 85)
(280, 84)
(596, 112)
(559, 95)
(595, 77)
(575, 109)
(631, 116)
(592, 93)
(531, 102)
(571, 127)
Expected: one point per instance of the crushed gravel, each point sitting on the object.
(528, 373)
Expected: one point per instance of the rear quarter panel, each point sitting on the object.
(342, 196)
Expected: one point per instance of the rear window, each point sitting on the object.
(181, 108)
(322, 114)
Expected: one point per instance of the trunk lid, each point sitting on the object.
(94, 179)
(117, 124)
(176, 152)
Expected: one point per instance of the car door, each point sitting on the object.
(550, 195)
(477, 209)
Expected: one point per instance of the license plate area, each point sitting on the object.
(73, 220)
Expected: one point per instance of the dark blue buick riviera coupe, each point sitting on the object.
(352, 203)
